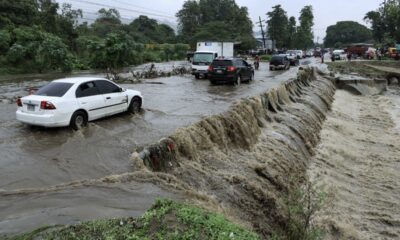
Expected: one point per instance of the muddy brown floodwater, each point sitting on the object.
(56, 176)
(358, 162)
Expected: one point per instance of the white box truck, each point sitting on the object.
(206, 52)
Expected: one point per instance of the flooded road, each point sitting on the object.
(43, 172)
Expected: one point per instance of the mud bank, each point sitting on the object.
(239, 162)
(358, 163)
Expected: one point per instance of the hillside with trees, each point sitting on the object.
(41, 35)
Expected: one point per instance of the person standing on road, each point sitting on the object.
(378, 54)
(322, 55)
(256, 62)
(349, 56)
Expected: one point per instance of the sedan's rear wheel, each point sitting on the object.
(135, 105)
(78, 120)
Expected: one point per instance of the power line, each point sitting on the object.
(124, 9)
(137, 6)
(95, 13)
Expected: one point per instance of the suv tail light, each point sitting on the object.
(230, 69)
(210, 68)
(19, 102)
(47, 105)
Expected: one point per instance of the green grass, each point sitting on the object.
(166, 219)
(265, 57)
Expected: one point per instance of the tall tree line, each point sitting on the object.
(286, 33)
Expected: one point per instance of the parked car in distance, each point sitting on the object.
(309, 53)
(233, 70)
(75, 101)
(293, 57)
(339, 54)
(300, 54)
(280, 61)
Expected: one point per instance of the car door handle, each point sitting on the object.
(108, 97)
(83, 102)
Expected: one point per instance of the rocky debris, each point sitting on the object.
(136, 76)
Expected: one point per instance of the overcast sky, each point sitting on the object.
(326, 12)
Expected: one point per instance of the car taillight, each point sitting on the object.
(210, 68)
(230, 69)
(19, 102)
(47, 105)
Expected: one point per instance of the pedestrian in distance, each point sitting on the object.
(349, 56)
(256, 62)
(322, 55)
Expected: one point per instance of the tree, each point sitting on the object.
(292, 31)
(197, 17)
(53, 54)
(278, 26)
(166, 34)
(17, 12)
(385, 22)
(347, 32)
(48, 15)
(107, 22)
(189, 20)
(305, 35)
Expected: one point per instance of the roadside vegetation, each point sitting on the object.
(41, 35)
(165, 220)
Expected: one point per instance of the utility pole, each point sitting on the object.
(262, 31)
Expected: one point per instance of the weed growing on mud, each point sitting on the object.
(301, 205)
(166, 219)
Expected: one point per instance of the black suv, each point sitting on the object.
(234, 70)
(280, 61)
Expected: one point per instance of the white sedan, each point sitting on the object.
(75, 101)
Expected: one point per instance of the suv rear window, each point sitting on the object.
(54, 89)
(276, 59)
(221, 63)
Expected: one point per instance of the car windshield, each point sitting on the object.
(203, 57)
(291, 52)
(54, 89)
(222, 63)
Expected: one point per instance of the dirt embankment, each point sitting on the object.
(239, 162)
(358, 162)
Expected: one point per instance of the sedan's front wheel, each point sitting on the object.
(78, 120)
(135, 105)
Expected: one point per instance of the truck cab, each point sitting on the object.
(206, 52)
(201, 61)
